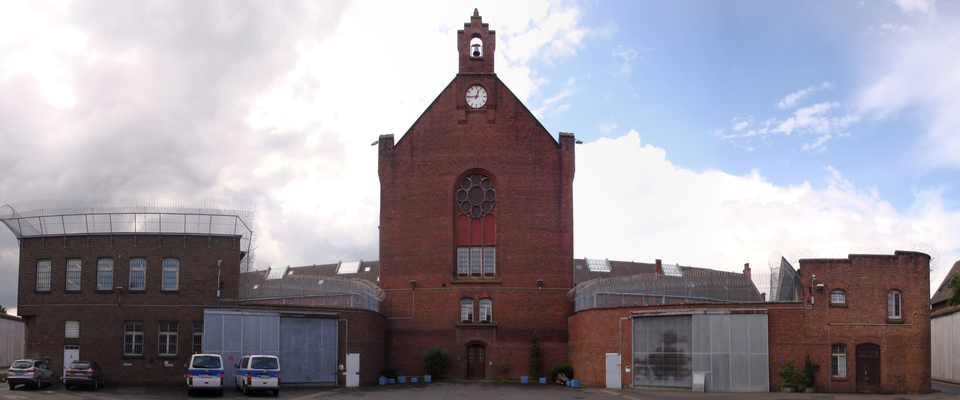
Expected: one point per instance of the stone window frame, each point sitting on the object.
(838, 360)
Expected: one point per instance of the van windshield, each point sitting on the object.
(206, 362)
(264, 363)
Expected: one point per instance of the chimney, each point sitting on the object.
(659, 268)
(746, 270)
(763, 296)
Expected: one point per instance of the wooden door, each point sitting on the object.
(868, 368)
(475, 362)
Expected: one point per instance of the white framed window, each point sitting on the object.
(486, 310)
(73, 274)
(893, 304)
(170, 278)
(838, 361)
(466, 310)
(43, 275)
(105, 274)
(197, 337)
(71, 329)
(138, 273)
(133, 338)
(167, 339)
(838, 296)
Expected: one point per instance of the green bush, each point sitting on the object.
(435, 359)
(788, 375)
(536, 364)
(808, 376)
(565, 369)
(390, 372)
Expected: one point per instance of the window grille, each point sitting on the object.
(43, 275)
(167, 339)
(138, 274)
(73, 274)
(197, 337)
(171, 274)
(838, 297)
(105, 274)
(133, 339)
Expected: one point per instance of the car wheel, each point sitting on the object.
(96, 384)
(12, 385)
(189, 392)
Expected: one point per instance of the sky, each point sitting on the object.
(715, 133)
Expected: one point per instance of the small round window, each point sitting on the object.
(476, 195)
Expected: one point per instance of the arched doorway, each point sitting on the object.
(868, 368)
(476, 360)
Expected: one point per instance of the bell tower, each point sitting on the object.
(476, 43)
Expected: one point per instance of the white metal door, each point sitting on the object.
(353, 369)
(613, 371)
(70, 353)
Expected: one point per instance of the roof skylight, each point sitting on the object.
(672, 270)
(597, 265)
(276, 273)
(349, 267)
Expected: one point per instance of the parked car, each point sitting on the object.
(205, 372)
(29, 372)
(258, 372)
(86, 373)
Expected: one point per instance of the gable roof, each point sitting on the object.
(944, 293)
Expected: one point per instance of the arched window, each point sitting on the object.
(838, 360)
(466, 310)
(476, 226)
(838, 296)
(893, 304)
(476, 47)
(486, 310)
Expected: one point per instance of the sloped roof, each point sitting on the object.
(944, 293)
(311, 280)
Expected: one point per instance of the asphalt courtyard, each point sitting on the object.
(452, 391)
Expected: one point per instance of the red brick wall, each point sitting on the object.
(800, 329)
(533, 177)
(102, 313)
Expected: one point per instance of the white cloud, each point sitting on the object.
(625, 58)
(917, 6)
(606, 128)
(791, 100)
(917, 77)
(656, 210)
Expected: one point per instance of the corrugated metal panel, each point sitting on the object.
(945, 351)
(11, 340)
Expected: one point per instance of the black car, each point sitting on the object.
(87, 373)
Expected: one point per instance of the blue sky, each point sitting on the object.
(716, 133)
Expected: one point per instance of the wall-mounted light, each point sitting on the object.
(413, 283)
(540, 283)
(820, 286)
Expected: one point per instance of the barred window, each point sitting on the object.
(466, 310)
(105, 274)
(197, 337)
(43, 275)
(486, 310)
(73, 274)
(838, 361)
(133, 338)
(838, 296)
(893, 304)
(138, 273)
(167, 340)
(171, 274)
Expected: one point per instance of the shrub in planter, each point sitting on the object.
(809, 375)
(566, 369)
(390, 372)
(788, 375)
(435, 359)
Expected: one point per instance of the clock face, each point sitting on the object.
(476, 96)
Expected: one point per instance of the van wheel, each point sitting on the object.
(276, 393)
(244, 389)
(219, 392)
(189, 392)
(12, 385)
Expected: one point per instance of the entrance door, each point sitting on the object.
(475, 362)
(613, 371)
(70, 353)
(353, 369)
(868, 368)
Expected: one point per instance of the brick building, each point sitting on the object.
(476, 225)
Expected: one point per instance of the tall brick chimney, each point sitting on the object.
(746, 270)
(659, 268)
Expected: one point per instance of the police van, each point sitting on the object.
(258, 372)
(205, 372)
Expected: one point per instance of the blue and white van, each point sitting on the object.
(205, 372)
(258, 372)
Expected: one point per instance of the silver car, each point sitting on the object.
(29, 372)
